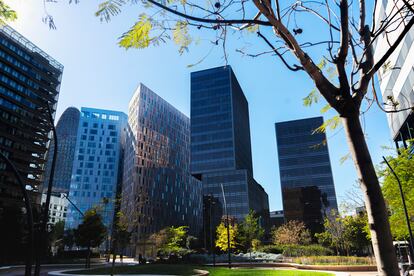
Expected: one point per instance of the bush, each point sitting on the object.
(274, 249)
(305, 250)
(294, 250)
(334, 260)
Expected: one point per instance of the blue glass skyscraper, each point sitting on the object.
(220, 142)
(67, 132)
(95, 173)
(308, 189)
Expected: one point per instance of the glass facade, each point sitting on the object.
(220, 142)
(29, 82)
(158, 189)
(66, 130)
(306, 179)
(96, 167)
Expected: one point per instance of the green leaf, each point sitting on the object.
(322, 64)
(311, 98)
(6, 13)
(331, 124)
(138, 35)
(326, 108)
(344, 158)
(109, 8)
(252, 28)
(181, 36)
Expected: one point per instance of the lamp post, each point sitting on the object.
(212, 247)
(407, 219)
(29, 213)
(227, 225)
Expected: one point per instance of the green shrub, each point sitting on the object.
(305, 250)
(275, 249)
(334, 260)
(295, 250)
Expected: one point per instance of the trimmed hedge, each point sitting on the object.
(297, 250)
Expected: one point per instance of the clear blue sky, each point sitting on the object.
(100, 74)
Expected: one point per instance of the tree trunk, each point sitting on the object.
(381, 237)
(113, 257)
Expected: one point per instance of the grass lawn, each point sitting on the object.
(189, 270)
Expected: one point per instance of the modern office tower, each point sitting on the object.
(29, 82)
(308, 190)
(67, 131)
(96, 167)
(396, 76)
(220, 143)
(158, 190)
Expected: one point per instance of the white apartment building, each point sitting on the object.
(396, 76)
(58, 207)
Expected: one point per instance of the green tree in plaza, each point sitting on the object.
(171, 241)
(291, 232)
(250, 231)
(403, 165)
(91, 232)
(345, 233)
(222, 237)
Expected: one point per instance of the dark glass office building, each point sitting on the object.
(158, 190)
(29, 81)
(308, 189)
(66, 130)
(220, 143)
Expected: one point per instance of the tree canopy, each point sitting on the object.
(403, 165)
(291, 232)
(222, 237)
(6, 13)
(250, 230)
(171, 240)
(91, 232)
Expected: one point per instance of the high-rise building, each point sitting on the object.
(220, 143)
(308, 190)
(97, 164)
(66, 132)
(396, 76)
(29, 83)
(158, 189)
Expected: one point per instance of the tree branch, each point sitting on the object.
(207, 20)
(294, 68)
(326, 88)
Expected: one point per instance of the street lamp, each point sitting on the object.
(212, 248)
(411, 248)
(227, 224)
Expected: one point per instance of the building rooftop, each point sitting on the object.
(21, 40)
